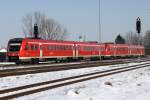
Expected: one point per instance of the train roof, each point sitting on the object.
(122, 44)
(19, 40)
(58, 41)
(16, 40)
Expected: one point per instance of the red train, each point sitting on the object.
(34, 50)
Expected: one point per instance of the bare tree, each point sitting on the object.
(133, 38)
(147, 42)
(49, 29)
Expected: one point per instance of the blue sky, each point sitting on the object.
(80, 17)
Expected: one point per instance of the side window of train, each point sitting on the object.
(64, 48)
(74, 47)
(44, 48)
(70, 48)
(26, 46)
(36, 47)
(101, 49)
(32, 47)
(49, 47)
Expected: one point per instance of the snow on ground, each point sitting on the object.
(28, 66)
(132, 85)
(13, 81)
(6, 63)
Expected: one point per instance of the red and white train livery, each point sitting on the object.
(33, 50)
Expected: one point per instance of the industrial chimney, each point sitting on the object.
(36, 31)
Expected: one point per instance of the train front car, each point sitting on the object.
(13, 49)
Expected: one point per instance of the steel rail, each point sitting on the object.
(65, 81)
(33, 70)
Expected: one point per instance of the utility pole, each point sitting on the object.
(99, 12)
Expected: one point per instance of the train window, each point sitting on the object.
(58, 47)
(32, 47)
(70, 48)
(44, 48)
(55, 48)
(61, 47)
(111, 49)
(67, 47)
(85, 48)
(26, 46)
(14, 48)
(101, 49)
(74, 48)
(64, 48)
(81, 48)
(89, 48)
(47, 47)
(50, 47)
(36, 47)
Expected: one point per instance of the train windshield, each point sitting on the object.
(14, 44)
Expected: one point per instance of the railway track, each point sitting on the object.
(13, 65)
(38, 87)
(48, 68)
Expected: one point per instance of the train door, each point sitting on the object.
(114, 50)
(75, 50)
(106, 49)
(100, 51)
(41, 51)
(74, 55)
(129, 50)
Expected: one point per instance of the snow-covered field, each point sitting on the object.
(13, 81)
(132, 85)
